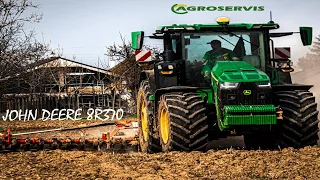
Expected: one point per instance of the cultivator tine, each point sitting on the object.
(107, 141)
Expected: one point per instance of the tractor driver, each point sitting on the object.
(217, 53)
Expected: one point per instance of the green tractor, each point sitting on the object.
(181, 108)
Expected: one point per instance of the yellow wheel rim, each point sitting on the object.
(144, 121)
(164, 125)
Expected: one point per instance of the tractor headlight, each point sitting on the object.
(263, 84)
(228, 85)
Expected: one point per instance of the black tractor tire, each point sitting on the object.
(299, 127)
(151, 144)
(186, 122)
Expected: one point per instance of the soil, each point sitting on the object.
(228, 163)
(222, 164)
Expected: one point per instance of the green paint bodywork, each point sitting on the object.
(237, 71)
(232, 117)
(204, 92)
(275, 77)
(240, 71)
(306, 35)
(137, 39)
(249, 109)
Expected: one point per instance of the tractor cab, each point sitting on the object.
(189, 48)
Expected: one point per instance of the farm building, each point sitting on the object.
(62, 83)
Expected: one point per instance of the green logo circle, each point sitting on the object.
(179, 8)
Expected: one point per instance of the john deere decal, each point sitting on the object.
(247, 92)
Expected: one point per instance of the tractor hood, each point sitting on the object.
(237, 71)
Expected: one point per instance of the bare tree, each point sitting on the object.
(19, 49)
(127, 70)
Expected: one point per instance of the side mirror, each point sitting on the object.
(306, 35)
(137, 39)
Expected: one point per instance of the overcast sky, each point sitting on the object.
(84, 28)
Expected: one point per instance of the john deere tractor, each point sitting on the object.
(180, 108)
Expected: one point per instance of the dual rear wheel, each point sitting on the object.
(148, 143)
(180, 123)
